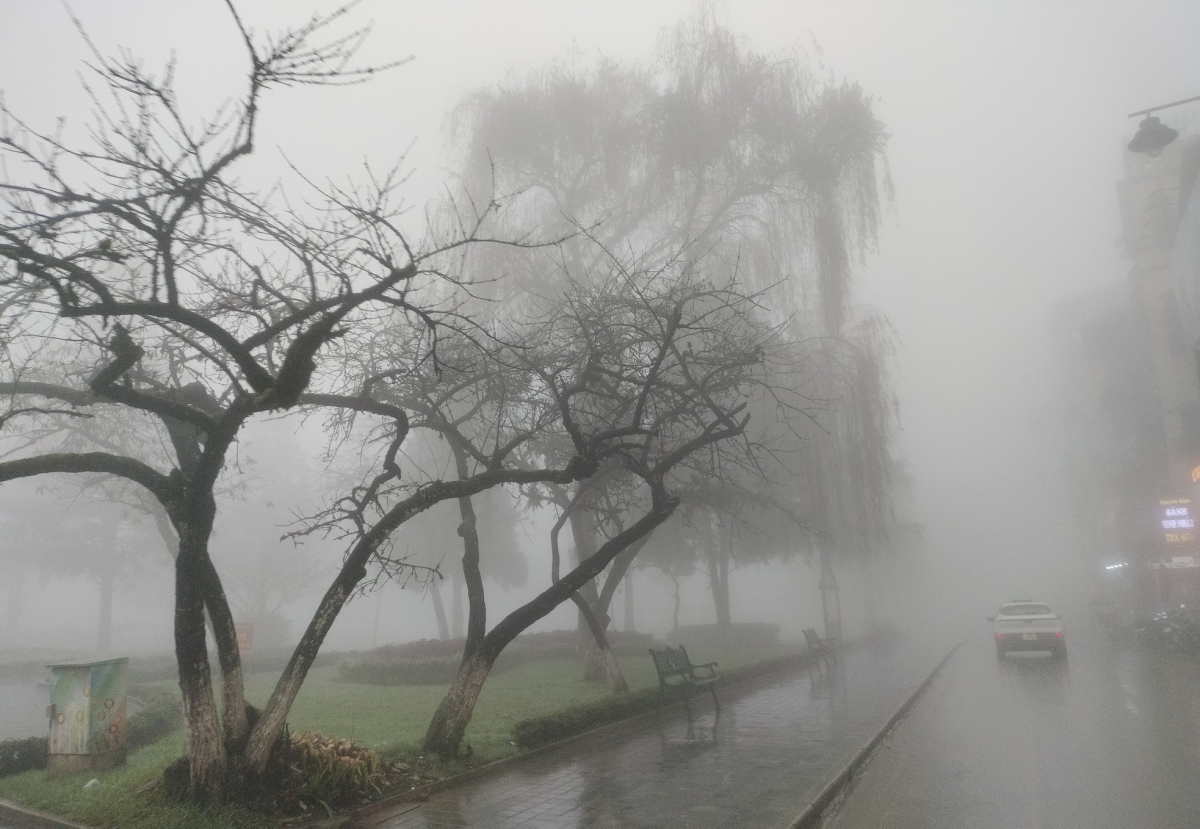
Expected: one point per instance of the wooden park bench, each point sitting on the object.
(675, 670)
(824, 648)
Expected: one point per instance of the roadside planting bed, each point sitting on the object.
(529, 704)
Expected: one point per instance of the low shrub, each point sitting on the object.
(22, 754)
(538, 731)
(161, 714)
(420, 649)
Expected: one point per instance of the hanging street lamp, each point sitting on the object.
(1153, 135)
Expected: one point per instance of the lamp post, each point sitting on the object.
(1153, 135)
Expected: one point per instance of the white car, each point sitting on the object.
(1026, 625)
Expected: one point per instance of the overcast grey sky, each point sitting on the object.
(1007, 122)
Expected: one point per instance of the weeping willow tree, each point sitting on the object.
(753, 165)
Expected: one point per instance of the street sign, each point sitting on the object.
(1178, 524)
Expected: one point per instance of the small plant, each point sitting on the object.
(22, 755)
(335, 771)
(161, 714)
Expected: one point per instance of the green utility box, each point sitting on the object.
(88, 710)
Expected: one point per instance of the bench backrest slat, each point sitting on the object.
(671, 661)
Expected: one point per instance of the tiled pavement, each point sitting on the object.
(773, 746)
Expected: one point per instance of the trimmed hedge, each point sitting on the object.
(539, 731)
(436, 661)
(559, 725)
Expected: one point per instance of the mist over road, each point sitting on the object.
(1109, 739)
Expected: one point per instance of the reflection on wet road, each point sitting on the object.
(1109, 739)
(754, 766)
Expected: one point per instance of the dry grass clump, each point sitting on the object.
(335, 771)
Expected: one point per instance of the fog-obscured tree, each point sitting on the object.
(193, 303)
(757, 166)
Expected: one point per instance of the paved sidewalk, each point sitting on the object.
(774, 745)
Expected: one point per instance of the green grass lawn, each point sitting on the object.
(391, 719)
(121, 798)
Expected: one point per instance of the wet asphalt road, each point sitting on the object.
(775, 744)
(1109, 739)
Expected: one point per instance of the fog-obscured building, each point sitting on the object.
(1161, 221)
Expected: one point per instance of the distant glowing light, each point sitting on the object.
(1178, 523)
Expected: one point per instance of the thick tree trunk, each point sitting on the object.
(599, 661)
(453, 714)
(583, 533)
(599, 650)
(233, 695)
(266, 731)
(205, 746)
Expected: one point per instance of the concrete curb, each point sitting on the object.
(36, 818)
(815, 810)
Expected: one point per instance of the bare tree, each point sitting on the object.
(756, 167)
(195, 304)
(650, 371)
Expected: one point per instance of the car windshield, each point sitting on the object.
(1025, 610)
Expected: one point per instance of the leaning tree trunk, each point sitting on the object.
(595, 661)
(450, 721)
(453, 714)
(596, 614)
(599, 649)
(233, 694)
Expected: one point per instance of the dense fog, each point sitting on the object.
(1005, 129)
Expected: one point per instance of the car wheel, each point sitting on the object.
(1060, 653)
(1000, 652)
